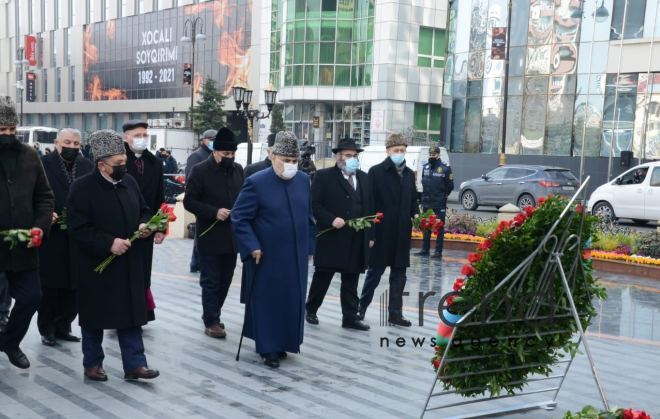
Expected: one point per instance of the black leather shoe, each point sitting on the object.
(282, 355)
(3, 323)
(194, 270)
(312, 318)
(437, 256)
(399, 321)
(355, 324)
(96, 374)
(67, 337)
(360, 315)
(422, 253)
(17, 358)
(142, 372)
(272, 360)
(48, 340)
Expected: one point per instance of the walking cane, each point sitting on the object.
(247, 304)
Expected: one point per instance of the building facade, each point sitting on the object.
(583, 79)
(93, 64)
(358, 68)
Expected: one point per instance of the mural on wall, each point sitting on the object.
(143, 57)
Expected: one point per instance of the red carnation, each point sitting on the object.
(519, 219)
(35, 232)
(474, 257)
(579, 208)
(436, 363)
(485, 245)
(450, 300)
(36, 241)
(376, 220)
(468, 270)
(458, 284)
(529, 210)
(379, 215)
(540, 201)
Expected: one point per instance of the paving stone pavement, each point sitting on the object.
(339, 374)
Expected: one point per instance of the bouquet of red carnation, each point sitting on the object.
(16, 236)
(158, 223)
(361, 223)
(428, 221)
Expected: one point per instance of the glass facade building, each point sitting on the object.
(581, 79)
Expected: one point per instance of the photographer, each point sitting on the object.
(306, 163)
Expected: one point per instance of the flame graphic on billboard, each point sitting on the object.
(96, 91)
(90, 52)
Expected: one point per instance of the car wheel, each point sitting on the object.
(526, 200)
(640, 222)
(604, 210)
(469, 200)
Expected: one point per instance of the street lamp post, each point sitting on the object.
(21, 65)
(195, 35)
(244, 96)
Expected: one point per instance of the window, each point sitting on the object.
(655, 177)
(66, 33)
(56, 10)
(72, 84)
(633, 177)
(431, 47)
(105, 6)
(45, 11)
(58, 85)
(72, 14)
(45, 85)
(121, 8)
(497, 174)
(53, 50)
(426, 121)
(633, 27)
(517, 173)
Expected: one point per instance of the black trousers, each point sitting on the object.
(216, 273)
(440, 241)
(348, 293)
(57, 311)
(25, 289)
(397, 285)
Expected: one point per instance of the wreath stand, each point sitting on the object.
(551, 248)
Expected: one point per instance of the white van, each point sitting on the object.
(634, 194)
(416, 157)
(259, 153)
(42, 135)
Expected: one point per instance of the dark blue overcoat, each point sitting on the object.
(275, 215)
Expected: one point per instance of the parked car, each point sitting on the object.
(634, 194)
(518, 184)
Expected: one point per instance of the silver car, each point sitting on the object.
(518, 184)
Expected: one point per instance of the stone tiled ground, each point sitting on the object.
(340, 373)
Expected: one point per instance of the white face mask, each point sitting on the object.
(290, 170)
(140, 144)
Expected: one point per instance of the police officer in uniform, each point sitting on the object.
(437, 182)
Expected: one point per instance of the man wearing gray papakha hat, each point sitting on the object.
(105, 208)
(274, 229)
(27, 203)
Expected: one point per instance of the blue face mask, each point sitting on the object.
(352, 165)
(210, 145)
(398, 158)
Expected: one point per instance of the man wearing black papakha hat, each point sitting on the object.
(340, 193)
(26, 202)
(211, 191)
(104, 209)
(274, 227)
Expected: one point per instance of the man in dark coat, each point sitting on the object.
(147, 170)
(340, 193)
(201, 154)
(26, 202)
(395, 195)
(58, 306)
(265, 163)
(274, 228)
(210, 194)
(104, 209)
(437, 184)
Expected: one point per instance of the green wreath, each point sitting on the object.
(484, 357)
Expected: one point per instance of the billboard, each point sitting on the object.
(143, 57)
(31, 50)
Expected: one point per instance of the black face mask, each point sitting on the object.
(6, 140)
(227, 162)
(69, 153)
(433, 158)
(118, 172)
